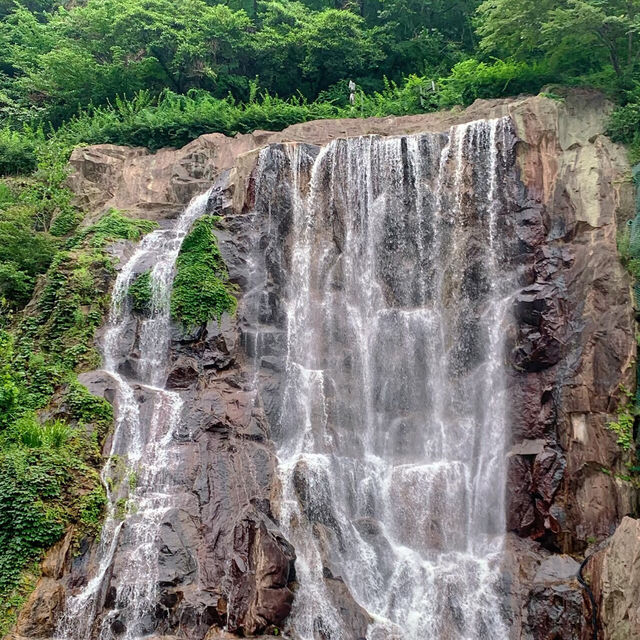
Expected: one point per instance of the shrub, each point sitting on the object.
(91, 510)
(415, 95)
(56, 434)
(472, 79)
(624, 126)
(65, 222)
(47, 470)
(17, 152)
(28, 432)
(114, 225)
(140, 293)
(16, 286)
(201, 288)
(31, 516)
(624, 123)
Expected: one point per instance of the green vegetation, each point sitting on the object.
(201, 288)
(114, 225)
(121, 508)
(17, 596)
(624, 126)
(623, 427)
(140, 293)
(159, 73)
(629, 252)
(51, 427)
(91, 509)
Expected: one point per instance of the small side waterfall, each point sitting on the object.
(139, 474)
(390, 417)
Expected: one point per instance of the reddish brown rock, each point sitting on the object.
(614, 573)
(38, 617)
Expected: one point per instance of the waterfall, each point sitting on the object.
(139, 475)
(388, 258)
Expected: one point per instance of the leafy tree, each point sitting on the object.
(452, 18)
(297, 49)
(337, 45)
(585, 27)
(574, 36)
(92, 53)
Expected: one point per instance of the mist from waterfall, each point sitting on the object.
(389, 417)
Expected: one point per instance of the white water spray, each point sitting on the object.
(138, 474)
(391, 424)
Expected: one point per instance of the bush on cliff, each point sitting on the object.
(17, 152)
(201, 289)
(624, 126)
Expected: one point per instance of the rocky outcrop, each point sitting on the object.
(572, 350)
(614, 574)
(224, 562)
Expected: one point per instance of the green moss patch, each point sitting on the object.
(201, 288)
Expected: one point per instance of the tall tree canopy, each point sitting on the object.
(573, 36)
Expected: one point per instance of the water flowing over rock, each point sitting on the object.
(142, 470)
(402, 432)
(385, 259)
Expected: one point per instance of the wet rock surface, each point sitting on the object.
(223, 559)
(572, 346)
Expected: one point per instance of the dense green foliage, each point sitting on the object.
(57, 58)
(201, 288)
(51, 427)
(624, 126)
(158, 73)
(140, 293)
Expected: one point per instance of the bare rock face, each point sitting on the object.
(572, 348)
(614, 573)
(224, 561)
(542, 595)
(158, 185)
(37, 620)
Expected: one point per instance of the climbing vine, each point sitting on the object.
(623, 428)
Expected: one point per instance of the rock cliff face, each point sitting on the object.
(224, 561)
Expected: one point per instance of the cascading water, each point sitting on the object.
(390, 414)
(139, 475)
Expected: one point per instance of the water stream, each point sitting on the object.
(139, 475)
(379, 295)
(390, 416)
